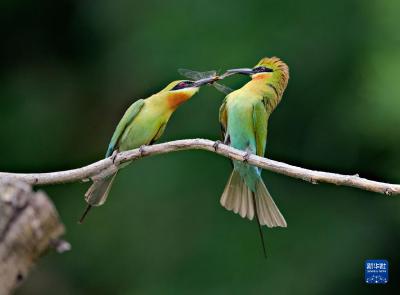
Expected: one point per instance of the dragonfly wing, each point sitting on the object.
(208, 74)
(195, 75)
(222, 88)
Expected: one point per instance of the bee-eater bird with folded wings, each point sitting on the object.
(244, 118)
(142, 124)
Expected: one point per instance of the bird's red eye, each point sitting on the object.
(182, 84)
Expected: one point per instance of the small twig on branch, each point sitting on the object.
(107, 166)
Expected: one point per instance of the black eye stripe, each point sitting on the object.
(182, 84)
(262, 70)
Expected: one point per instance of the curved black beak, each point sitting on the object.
(243, 71)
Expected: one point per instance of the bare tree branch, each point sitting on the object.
(107, 166)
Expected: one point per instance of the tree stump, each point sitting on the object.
(29, 225)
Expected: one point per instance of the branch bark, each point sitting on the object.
(29, 225)
(107, 166)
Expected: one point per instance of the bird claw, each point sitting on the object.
(216, 144)
(141, 150)
(114, 156)
(246, 157)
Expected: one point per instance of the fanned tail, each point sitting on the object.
(97, 193)
(237, 197)
(268, 212)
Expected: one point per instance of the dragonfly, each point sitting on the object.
(209, 75)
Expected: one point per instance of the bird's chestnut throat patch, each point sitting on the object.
(175, 99)
(261, 76)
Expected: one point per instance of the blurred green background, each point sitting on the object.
(69, 69)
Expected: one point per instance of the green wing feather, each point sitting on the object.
(159, 133)
(260, 123)
(223, 118)
(129, 115)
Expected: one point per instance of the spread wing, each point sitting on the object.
(128, 117)
(260, 123)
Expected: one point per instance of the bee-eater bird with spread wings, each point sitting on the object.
(244, 118)
(142, 124)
